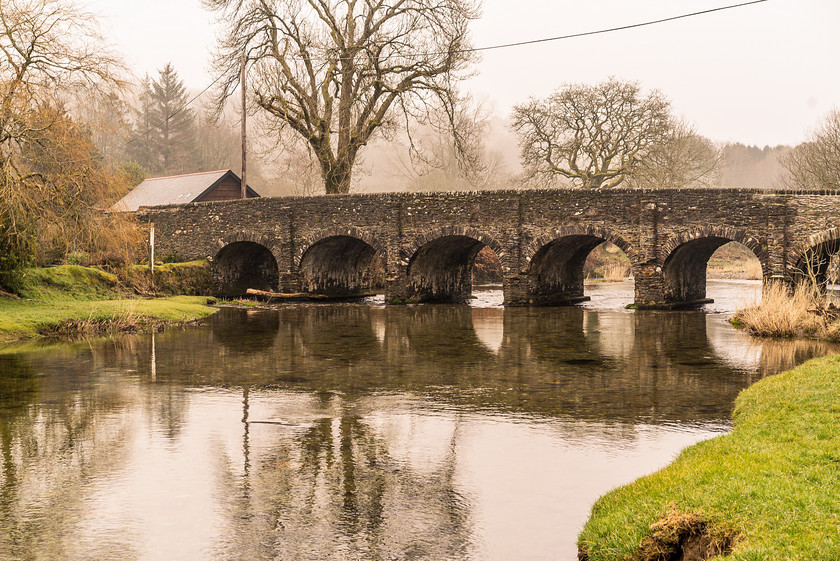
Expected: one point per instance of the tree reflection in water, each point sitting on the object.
(58, 436)
(328, 488)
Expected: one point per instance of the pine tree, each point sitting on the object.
(142, 147)
(165, 126)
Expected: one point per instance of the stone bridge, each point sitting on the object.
(426, 242)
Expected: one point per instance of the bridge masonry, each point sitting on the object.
(426, 242)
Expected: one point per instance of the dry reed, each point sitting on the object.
(785, 313)
(615, 271)
(749, 270)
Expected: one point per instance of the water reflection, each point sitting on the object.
(601, 365)
(356, 431)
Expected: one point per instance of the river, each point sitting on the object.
(356, 431)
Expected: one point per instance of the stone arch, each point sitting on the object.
(249, 236)
(245, 260)
(538, 243)
(725, 232)
(336, 231)
(411, 250)
(439, 262)
(340, 262)
(811, 259)
(685, 255)
(553, 262)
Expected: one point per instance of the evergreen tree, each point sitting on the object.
(166, 127)
(142, 146)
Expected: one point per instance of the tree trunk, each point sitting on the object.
(337, 177)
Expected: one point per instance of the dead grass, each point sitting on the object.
(782, 313)
(684, 536)
(748, 270)
(607, 263)
(614, 271)
(734, 261)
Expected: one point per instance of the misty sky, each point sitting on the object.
(761, 74)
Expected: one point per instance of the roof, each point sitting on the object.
(173, 190)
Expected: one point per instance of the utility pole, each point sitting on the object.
(244, 138)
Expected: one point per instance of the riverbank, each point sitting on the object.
(768, 490)
(70, 301)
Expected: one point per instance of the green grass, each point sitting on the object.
(68, 282)
(774, 482)
(21, 319)
(61, 301)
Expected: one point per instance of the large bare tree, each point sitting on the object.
(815, 164)
(337, 71)
(594, 135)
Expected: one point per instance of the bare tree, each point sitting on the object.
(815, 164)
(438, 167)
(429, 159)
(752, 166)
(594, 135)
(337, 71)
(49, 52)
(681, 159)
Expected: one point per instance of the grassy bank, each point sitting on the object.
(769, 490)
(71, 300)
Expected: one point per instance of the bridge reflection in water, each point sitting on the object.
(354, 431)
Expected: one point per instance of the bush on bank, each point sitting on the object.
(769, 490)
(169, 279)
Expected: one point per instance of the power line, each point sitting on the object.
(609, 30)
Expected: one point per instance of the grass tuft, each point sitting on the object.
(785, 313)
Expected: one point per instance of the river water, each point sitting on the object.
(359, 431)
